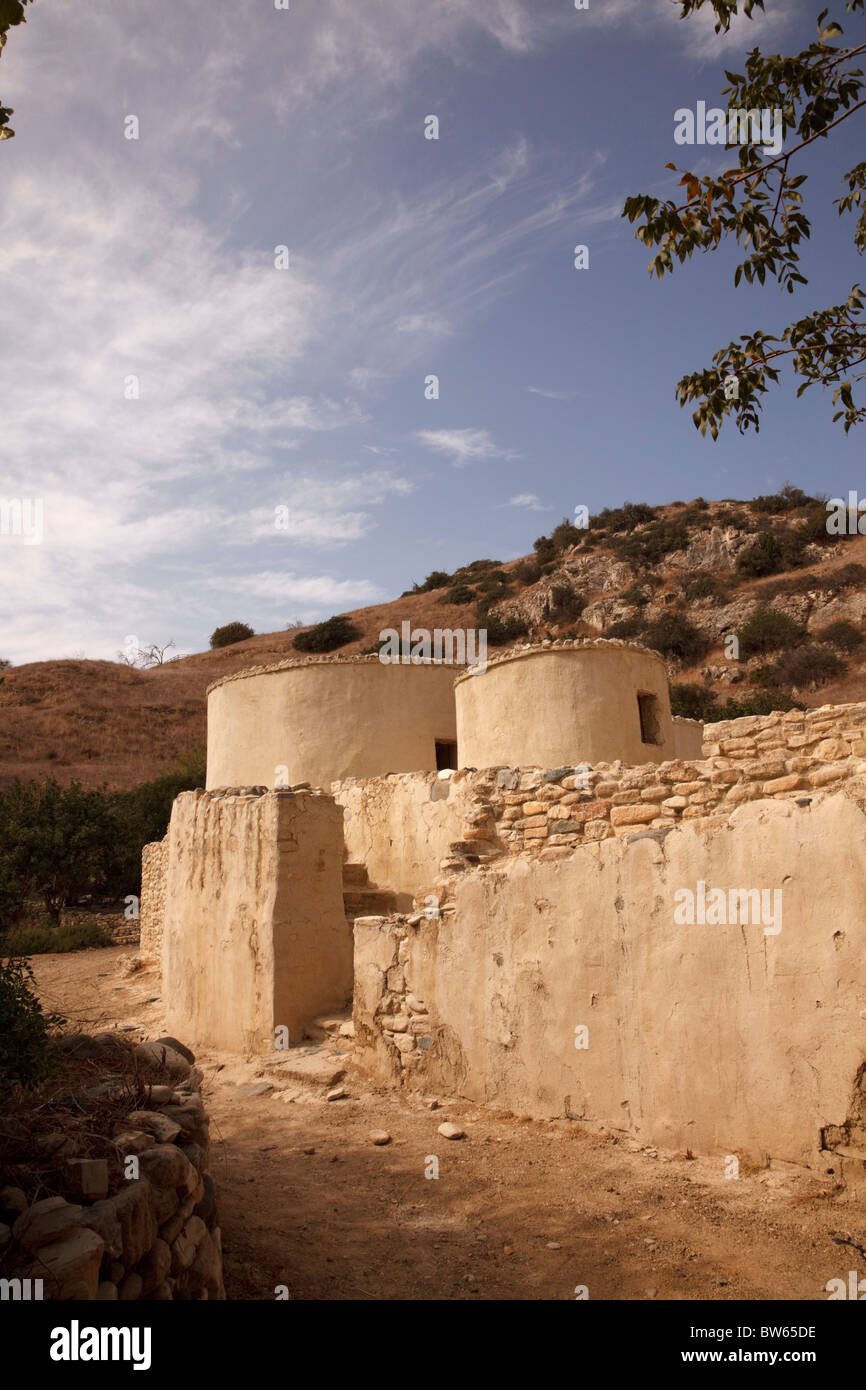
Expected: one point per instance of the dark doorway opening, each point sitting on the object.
(648, 709)
(446, 755)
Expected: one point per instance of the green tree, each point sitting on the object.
(11, 13)
(53, 841)
(760, 205)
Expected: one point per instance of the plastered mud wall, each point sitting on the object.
(254, 932)
(720, 1038)
(688, 737)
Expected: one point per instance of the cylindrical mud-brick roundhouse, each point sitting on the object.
(563, 705)
(322, 719)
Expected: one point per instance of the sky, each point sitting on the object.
(216, 338)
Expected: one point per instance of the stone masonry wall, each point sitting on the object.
(152, 903)
(547, 814)
(801, 732)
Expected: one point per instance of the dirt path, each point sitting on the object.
(520, 1210)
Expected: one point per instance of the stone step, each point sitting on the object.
(328, 1026)
(355, 876)
(318, 1067)
(370, 902)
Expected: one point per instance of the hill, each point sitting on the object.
(682, 578)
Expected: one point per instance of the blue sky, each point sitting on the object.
(304, 388)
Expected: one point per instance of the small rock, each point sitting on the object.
(652, 1293)
(130, 1288)
(449, 1131)
(160, 1095)
(255, 1088)
(431, 1103)
(134, 1141)
(46, 1222)
(152, 1122)
(13, 1201)
(88, 1177)
(553, 1245)
(338, 1093)
(177, 1047)
(161, 1055)
(380, 1136)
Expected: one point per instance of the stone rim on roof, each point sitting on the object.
(291, 663)
(561, 644)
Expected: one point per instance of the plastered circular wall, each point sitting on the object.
(322, 720)
(560, 706)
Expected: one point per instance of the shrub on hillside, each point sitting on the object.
(545, 550)
(500, 630)
(788, 499)
(770, 553)
(841, 636)
(705, 586)
(810, 665)
(761, 702)
(566, 534)
(626, 628)
(691, 701)
(327, 636)
(635, 595)
(459, 593)
(229, 633)
(527, 572)
(652, 543)
(28, 1055)
(564, 603)
(767, 630)
(813, 529)
(673, 635)
(437, 579)
(624, 518)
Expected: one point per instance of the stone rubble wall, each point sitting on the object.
(156, 1237)
(548, 814)
(800, 732)
(151, 908)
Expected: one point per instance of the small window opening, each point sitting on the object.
(648, 709)
(446, 755)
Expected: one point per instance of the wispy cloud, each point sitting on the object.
(548, 395)
(528, 501)
(463, 446)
